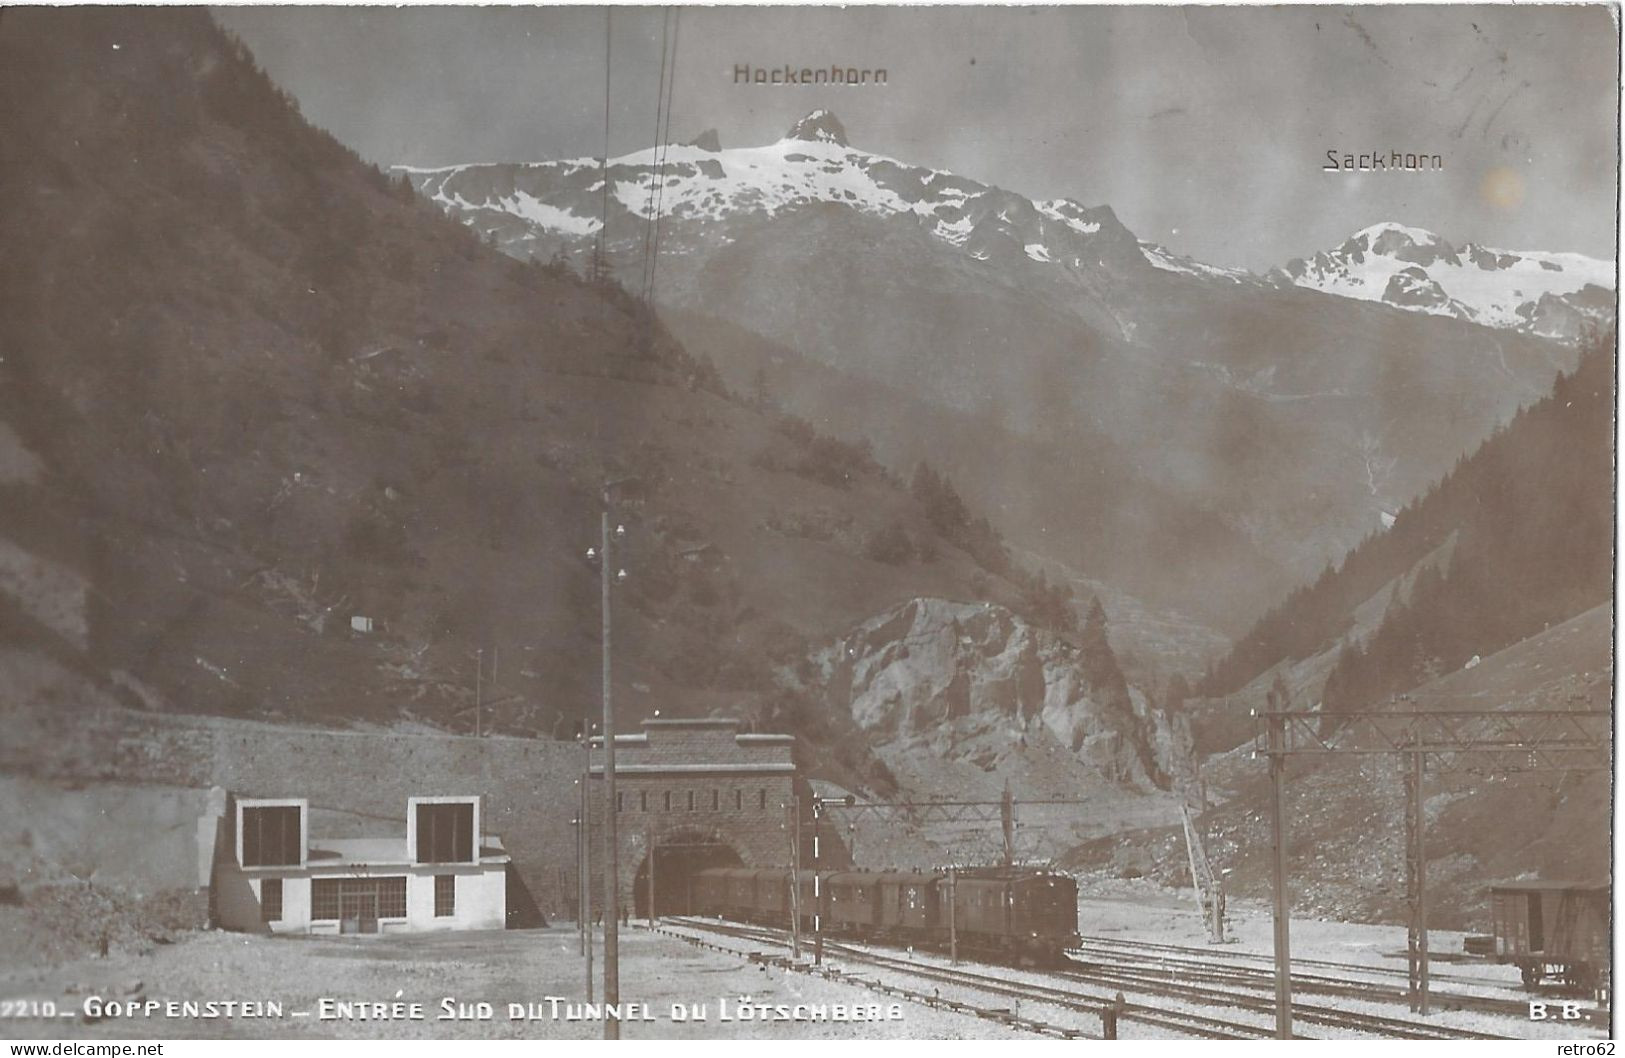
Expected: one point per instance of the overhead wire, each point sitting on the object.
(645, 278)
(600, 265)
(664, 150)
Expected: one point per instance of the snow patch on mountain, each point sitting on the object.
(1414, 269)
(534, 210)
(1165, 259)
(707, 195)
(696, 187)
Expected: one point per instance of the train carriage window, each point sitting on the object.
(668, 800)
(739, 800)
(761, 798)
(691, 800)
(716, 800)
(643, 800)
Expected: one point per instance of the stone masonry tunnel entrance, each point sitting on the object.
(677, 857)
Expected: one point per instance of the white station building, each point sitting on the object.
(442, 874)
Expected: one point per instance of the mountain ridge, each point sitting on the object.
(1046, 320)
(1536, 292)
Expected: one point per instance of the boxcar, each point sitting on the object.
(1554, 929)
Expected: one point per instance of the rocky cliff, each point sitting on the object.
(975, 681)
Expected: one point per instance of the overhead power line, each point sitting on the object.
(664, 146)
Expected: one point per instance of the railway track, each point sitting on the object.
(1184, 1023)
(1263, 978)
(1250, 990)
(1245, 970)
(1252, 997)
(1216, 953)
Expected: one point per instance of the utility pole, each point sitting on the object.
(1283, 941)
(581, 863)
(795, 876)
(953, 915)
(1416, 936)
(586, 856)
(651, 843)
(818, 895)
(1007, 824)
(1503, 741)
(612, 911)
(479, 676)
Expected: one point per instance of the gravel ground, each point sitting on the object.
(526, 966)
(1164, 918)
(498, 968)
(1167, 921)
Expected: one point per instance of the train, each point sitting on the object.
(1021, 915)
(1557, 930)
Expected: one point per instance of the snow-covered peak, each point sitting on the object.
(1395, 233)
(707, 194)
(1411, 268)
(819, 126)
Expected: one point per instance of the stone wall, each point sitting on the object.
(358, 782)
(688, 783)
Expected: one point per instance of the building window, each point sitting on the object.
(716, 800)
(334, 898)
(391, 896)
(761, 799)
(668, 800)
(445, 895)
(739, 800)
(446, 833)
(271, 836)
(643, 800)
(271, 900)
(324, 900)
(691, 800)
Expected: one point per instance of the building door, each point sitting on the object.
(358, 910)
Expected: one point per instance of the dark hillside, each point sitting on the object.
(251, 389)
(1531, 516)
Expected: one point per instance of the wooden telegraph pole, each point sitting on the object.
(795, 876)
(1283, 905)
(586, 857)
(612, 910)
(651, 842)
(1416, 936)
(1503, 741)
(818, 895)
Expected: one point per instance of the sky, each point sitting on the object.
(1204, 128)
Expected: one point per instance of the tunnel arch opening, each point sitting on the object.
(675, 858)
